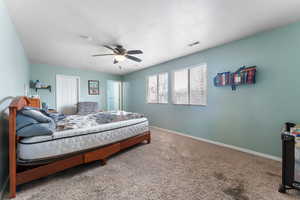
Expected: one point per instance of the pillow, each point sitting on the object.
(30, 108)
(52, 124)
(36, 114)
(23, 121)
(41, 129)
(85, 108)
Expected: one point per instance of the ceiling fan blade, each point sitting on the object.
(115, 61)
(120, 49)
(110, 48)
(134, 52)
(108, 54)
(133, 58)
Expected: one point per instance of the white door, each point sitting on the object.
(114, 95)
(67, 94)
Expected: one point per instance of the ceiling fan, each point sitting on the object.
(120, 53)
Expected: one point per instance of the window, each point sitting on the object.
(163, 88)
(152, 89)
(158, 88)
(190, 86)
(180, 89)
(198, 90)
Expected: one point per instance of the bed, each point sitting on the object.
(77, 140)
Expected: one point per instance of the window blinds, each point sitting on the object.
(190, 86)
(180, 87)
(152, 89)
(163, 88)
(158, 88)
(198, 85)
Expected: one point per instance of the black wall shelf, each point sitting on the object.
(43, 88)
(32, 85)
(243, 76)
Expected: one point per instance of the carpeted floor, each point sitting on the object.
(172, 167)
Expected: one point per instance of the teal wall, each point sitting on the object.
(250, 117)
(14, 73)
(47, 74)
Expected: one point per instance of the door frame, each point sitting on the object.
(78, 86)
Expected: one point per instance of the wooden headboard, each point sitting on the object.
(17, 104)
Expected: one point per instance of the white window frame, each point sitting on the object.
(157, 89)
(189, 88)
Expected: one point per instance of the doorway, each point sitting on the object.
(67, 94)
(114, 95)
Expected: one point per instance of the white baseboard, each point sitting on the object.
(221, 144)
(2, 190)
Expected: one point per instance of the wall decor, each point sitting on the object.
(93, 87)
(243, 76)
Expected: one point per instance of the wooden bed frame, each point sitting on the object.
(19, 175)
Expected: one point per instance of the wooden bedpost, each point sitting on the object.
(17, 104)
(12, 152)
(149, 138)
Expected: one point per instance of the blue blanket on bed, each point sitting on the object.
(35, 122)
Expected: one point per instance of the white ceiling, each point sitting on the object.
(50, 29)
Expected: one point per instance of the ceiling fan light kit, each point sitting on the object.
(120, 58)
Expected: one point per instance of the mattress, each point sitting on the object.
(75, 140)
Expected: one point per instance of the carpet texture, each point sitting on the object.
(172, 167)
